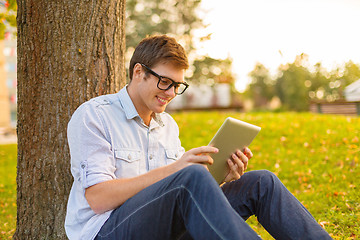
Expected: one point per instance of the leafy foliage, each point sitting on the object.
(290, 85)
(7, 16)
(207, 70)
(177, 18)
(298, 83)
(261, 88)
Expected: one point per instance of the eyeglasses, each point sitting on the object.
(166, 83)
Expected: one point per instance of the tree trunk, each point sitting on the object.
(68, 52)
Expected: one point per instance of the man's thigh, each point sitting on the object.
(150, 214)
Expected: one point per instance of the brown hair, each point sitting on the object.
(158, 49)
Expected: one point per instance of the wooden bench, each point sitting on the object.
(338, 107)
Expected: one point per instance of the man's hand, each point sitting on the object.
(238, 163)
(199, 155)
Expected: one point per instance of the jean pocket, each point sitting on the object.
(128, 162)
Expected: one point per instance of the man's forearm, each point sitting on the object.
(111, 194)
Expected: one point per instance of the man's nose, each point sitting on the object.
(171, 91)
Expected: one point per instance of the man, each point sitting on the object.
(133, 180)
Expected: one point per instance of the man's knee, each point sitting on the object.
(194, 170)
(194, 173)
(265, 178)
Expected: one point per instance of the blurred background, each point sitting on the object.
(299, 55)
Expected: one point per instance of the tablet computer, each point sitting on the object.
(232, 135)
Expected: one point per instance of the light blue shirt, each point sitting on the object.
(108, 140)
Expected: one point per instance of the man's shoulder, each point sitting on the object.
(107, 99)
(102, 100)
(166, 115)
(167, 118)
(91, 105)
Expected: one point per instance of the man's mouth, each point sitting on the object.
(162, 100)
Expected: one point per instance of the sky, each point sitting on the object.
(274, 32)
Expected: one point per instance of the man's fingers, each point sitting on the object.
(239, 163)
(248, 153)
(204, 150)
(200, 155)
(242, 157)
(234, 168)
(202, 159)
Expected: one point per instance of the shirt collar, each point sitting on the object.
(157, 118)
(127, 104)
(130, 110)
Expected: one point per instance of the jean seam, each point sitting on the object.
(136, 210)
(203, 214)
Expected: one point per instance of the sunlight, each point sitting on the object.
(275, 32)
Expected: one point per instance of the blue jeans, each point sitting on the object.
(189, 204)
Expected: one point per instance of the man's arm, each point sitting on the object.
(111, 194)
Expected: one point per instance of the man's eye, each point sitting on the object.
(165, 81)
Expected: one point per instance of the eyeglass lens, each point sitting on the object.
(165, 84)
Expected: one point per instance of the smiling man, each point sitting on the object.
(133, 180)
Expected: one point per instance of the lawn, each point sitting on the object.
(7, 190)
(315, 156)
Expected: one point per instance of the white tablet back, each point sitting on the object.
(232, 135)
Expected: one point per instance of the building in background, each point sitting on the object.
(4, 93)
(205, 97)
(8, 81)
(352, 92)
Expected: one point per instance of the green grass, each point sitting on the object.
(315, 156)
(7, 190)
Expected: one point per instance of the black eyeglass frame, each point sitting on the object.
(173, 83)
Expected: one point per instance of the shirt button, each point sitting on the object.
(129, 157)
(82, 166)
(151, 156)
(176, 155)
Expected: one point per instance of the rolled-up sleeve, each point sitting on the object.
(92, 158)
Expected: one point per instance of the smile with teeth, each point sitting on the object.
(162, 100)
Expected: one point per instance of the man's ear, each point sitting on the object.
(138, 71)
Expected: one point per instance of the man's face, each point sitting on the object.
(151, 97)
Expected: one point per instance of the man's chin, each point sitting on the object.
(160, 109)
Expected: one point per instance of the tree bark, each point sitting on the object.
(68, 52)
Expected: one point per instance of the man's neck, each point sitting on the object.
(146, 120)
(145, 115)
